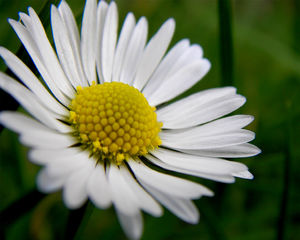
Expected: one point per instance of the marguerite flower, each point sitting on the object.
(100, 126)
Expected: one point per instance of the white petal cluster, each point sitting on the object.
(195, 135)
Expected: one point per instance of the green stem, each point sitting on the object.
(226, 58)
(296, 25)
(282, 216)
(226, 46)
(212, 221)
(77, 220)
(20, 207)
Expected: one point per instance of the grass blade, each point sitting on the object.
(20, 207)
(226, 47)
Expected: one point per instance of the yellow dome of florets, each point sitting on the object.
(115, 121)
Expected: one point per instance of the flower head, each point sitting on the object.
(99, 123)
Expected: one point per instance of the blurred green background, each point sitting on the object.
(266, 43)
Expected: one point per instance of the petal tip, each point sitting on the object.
(243, 174)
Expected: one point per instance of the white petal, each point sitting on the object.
(73, 35)
(42, 156)
(210, 113)
(47, 183)
(226, 124)
(134, 51)
(121, 48)
(64, 48)
(166, 183)
(215, 177)
(69, 20)
(203, 97)
(34, 53)
(20, 122)
(64, 165)
(144, 200)
(31, 81)
(132, 225)
(184, 140)
(200, 164)
(181, 207)
(46, 140)
(164, 67)
(98, 189)
(101, 14)
(235, 151)
(121, 194)
(28, 100)
(74, 192)
(33, 133)
(126, 204)
(47, 53)
(153, 53)
(223, 125)
(194, 52)
(180, 81)
(88, 40)
(244, 174)
(185, 57)
(200, 108)
(109, 41)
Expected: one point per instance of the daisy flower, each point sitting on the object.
(101, 125)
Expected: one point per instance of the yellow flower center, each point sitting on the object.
(114, 121)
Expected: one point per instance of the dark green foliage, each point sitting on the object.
(266, 69)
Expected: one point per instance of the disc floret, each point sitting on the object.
(114, 121)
